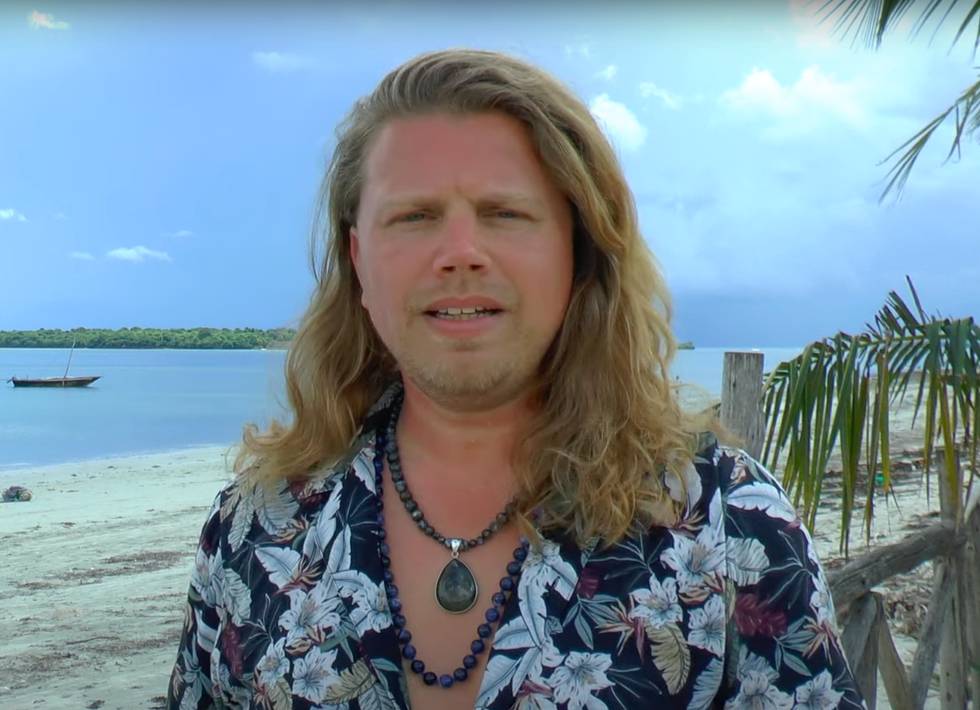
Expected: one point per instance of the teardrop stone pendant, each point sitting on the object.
(456, 588)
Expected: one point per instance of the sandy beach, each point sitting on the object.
(97, 566)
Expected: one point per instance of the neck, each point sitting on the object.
(456, 446)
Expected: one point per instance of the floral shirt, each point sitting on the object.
(726, 610)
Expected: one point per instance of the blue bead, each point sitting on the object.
(446, 681)
(381, 518)
(520, 554)
(492, 615)
(498, 599)
(382, 534)
(513, 568)
(395, 605)
(460, 674)
(469, 661)
(477, 647)
(484, 631)
(392, 591)
(385, 550)
(388, 576)
(409, 652)
(507, 584)
(429, 678)
(398, 620)
(418, 667)
(386, 562)
(404, 636)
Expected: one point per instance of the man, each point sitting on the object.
(488, 495)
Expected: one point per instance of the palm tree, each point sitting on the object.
(870, 20)
(837, 395)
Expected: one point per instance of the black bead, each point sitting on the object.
(401, 486)
(484, 631)
(460, 674)
(421, 524)
(405, 636)
(429, 530)
(493, 527)
(406, 496)
(411, 505)
(476, 541)
(418, 666)
(513, 568)
(416, 515)
(385, 561)
(485, 534)
(440, 538)
(429, 678)
(501, 518)
(469, 661)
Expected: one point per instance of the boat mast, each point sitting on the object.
(69, 358)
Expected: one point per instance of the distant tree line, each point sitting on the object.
(149, 338)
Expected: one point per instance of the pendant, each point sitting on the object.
(456, 589)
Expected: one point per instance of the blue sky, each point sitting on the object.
(158, 166)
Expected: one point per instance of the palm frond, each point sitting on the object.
(966, 112)
(837, 396)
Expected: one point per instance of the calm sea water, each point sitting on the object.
(152, 401)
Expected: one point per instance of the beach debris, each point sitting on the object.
(17, 494)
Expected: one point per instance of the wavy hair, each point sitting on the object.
(608, 426)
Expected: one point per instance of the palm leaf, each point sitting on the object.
(836, 396)
(869, 21)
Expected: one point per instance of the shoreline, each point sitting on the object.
(33, 470)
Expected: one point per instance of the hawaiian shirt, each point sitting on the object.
(726, 609)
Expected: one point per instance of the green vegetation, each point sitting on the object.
(149, 338)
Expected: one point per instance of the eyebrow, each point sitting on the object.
(409, 201)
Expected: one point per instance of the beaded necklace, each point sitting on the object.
(454, 597)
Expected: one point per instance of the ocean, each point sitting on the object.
(154, 401)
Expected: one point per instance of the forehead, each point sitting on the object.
(439, 152)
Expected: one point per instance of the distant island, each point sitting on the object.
(156, 338)
(150, 338)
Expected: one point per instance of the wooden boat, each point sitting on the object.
(64, 381)
(53, 381)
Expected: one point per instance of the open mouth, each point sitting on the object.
(463, 313)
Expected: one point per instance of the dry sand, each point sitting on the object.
(96, 569)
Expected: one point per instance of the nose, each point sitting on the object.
(461, 248)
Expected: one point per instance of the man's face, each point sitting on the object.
(458, 213)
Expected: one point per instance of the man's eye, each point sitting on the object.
(413, 217)
(506, 214)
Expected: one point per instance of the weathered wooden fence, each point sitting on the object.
(950, 634)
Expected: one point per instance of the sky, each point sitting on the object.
(159, 165)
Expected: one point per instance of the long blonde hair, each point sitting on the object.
(608, 421)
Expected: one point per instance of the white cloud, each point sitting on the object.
(814, 96)
(84, 255)
(37, 20)
(182, 233)
(278, 62)
(649, 89)
(608, 73)
(61, 216)
(583, 49)
(12, 214)
(620, 124)
(137, 254)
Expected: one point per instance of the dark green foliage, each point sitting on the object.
(149, 338)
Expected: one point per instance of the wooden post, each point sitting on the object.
(927, 650)
(741, 399)
(971, 569)
(860, 642)
(952, 649)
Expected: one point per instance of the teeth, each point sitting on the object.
(461, 311)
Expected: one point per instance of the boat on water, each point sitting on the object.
(63, 381)
(53, 381)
